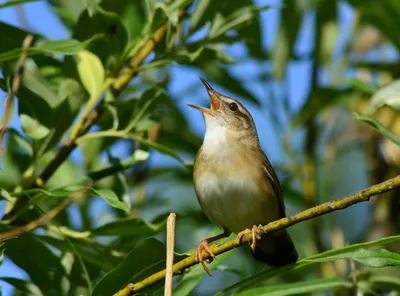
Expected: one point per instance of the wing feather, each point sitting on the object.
(274, 181)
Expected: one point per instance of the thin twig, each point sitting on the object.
(170, 254)
(16, 83)
(15, 232)
(313, 212)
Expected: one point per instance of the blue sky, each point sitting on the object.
(41, 19)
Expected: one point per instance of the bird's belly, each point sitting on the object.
(235, 204)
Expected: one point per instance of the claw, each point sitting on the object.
(255, 236)
(241, 234)
(198, 255)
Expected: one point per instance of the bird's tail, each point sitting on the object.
(276, 249)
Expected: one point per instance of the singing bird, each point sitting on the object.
(235, 183)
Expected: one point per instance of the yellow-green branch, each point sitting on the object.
(310, 213)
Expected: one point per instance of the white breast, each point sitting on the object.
(230, 197)
(216, 137)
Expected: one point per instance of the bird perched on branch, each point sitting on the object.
(235, 183)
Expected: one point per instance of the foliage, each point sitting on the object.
(102, 113)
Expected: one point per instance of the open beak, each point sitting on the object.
(214, 100)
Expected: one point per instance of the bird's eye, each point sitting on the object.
(233, 106)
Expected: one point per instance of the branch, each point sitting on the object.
(16, 83)
(118, 86)
(313, 212)
(15, 232)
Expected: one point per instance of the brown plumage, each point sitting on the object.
(235, 183)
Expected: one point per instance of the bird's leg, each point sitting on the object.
(255, 235)
(198, 255)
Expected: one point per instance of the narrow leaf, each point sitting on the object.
(376, 124)
(15, 3)
(298, 288)
(65, 47)
(129, 227)
(112, 199)
(270, 273)
(370, 258)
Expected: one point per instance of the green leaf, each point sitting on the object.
(39, 262)
(371, 258)
(11, 37)
(26, 287)
(145, 106)
(33, 81)
(65, 47)
(112, 199)
(72, 97)
(15, 3)
(135, 263)
(388, 95)
(159, 147)
(238, 18)
(298, 288)
(91, 72)
(361, 86)
(33, 128)
(198, 13)
(68, 11)
(270, 273)
(115, 36)
(159, 17)
(129, 227)
(376, 124)
(131, 13)
(92, 7)
(137, 157)
(89, 255)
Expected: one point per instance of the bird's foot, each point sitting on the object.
(255, 230)
(198, 255)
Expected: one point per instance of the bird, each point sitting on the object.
(235, 183)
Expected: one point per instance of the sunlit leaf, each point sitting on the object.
(32, 128)
(91, 72)
(388, 95)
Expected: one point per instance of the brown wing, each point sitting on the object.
(273, 179)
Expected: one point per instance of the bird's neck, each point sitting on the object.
(220, 141)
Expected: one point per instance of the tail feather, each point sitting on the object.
(276, 249)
